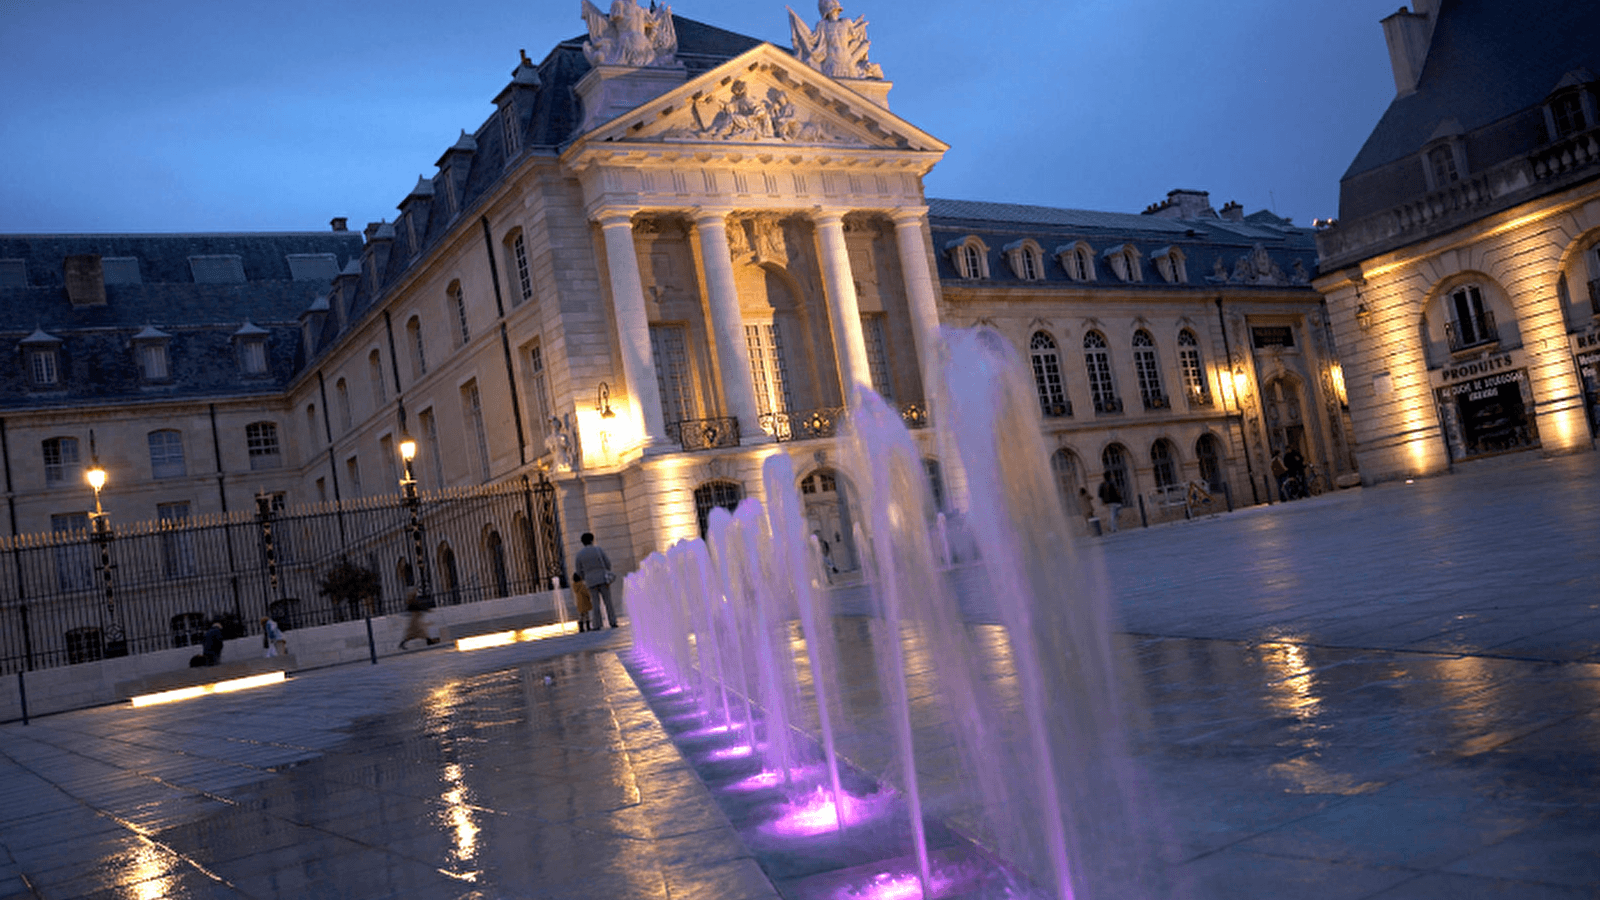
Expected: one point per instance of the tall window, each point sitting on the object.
(1163, 463)
(1442, 163)
(971, 262)
(311, 424)
(419, 355)
(667, 348)
(713, 494)
(177, 541)
(74, 562)
(352, 471)
(61, 461)
(472, 407)
(1047, 375)
(390, 467)
(1078, 263)
(519, 258)
(768, 370)
(1027, 264)
(539, 393)
(261, 440)
(1566, 113)
(380, 394)
(1149, 372)
(166, 454)
(42, 366)
(508, 124)
(498, 572)
(1115, 462)
(1097, 360)
(430, 434)
(1467, 316)
(458, 313)
(153, 360)
(877, 355)
(1195, 386)
(341, 394)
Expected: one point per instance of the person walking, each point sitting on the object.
(417, 625)
(272, 637)
(595, 567)
(1086, 507)
(1112, 498)
(580, 593)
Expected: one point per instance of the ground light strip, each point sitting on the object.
(220, 687)
(502, 638)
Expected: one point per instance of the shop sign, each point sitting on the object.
(1589, 340)
(1477, 367)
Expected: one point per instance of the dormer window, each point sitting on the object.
(1442, 166)
(41, 354)
(1566, 114)
(970, 257)
(1170, 263)
(1078, 260)
(150, 353)
(251, 343)
(1024, 258)
(1124, 261)
(508, 124)
(218, 269)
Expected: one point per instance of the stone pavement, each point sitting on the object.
(1391, 692)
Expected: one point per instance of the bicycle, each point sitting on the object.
(1314, 483)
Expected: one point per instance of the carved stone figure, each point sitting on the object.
(744, 117)
(629, 35)
(558, 446)
(1257, 267)
(837, 47)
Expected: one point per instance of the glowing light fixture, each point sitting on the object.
(1363, 317)
(408, 447)
(219, 687)
(504, 638)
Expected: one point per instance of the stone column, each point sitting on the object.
(910, 237)
(633, 323)
(844, 313)
(727, 325)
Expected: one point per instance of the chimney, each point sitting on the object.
(339, 223)
(1408, 35)
(375, 256)
(1233, 211)
(86, 280)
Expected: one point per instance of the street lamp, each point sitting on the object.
(115, 642)
(603, 402)
(408, 491)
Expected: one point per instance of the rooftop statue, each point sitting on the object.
(837, 47)
(629, 36)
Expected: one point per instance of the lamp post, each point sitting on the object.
(408, 491)
(115, 641)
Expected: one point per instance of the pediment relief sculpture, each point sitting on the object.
(759, 240)
(630, 35)
(836, 47)
(1257, 267)
(744, 115)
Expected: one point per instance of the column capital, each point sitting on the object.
(823, 215)
(612, 216)
(908, 215)
(703, 214)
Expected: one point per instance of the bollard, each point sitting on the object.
(1227, 494)
(372, 647)
(22, 694)
(1144, 521)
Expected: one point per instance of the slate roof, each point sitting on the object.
(1202, 241)
(96, 361)
(1490, 65)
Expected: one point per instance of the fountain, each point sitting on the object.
(994, 719)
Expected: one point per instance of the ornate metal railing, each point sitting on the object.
(1474, 332)
(1156, 401)
(1107, 405)
(1060, 410)
(705, 434)
(1199, 399)
(805, 424)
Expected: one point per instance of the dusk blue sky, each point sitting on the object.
(171, 115)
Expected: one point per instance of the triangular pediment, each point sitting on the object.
(765, 97)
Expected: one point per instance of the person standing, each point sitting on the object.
(272, 636)
(580, 593)
(595, 567)
(1112, 498)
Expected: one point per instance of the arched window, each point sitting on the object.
(1195, 386)
(969, 255)
(419, 355)
(1471, 321)
(1068, 471)
(1164, 463)
(713, 494)
(1047, 376)
(1148, 370)
(1114, 459)
(1077, 260)
(517, 258)
(458, 313)
(1208, 453)
(311, 423)
(341, 394)
(1097, 359)
(500, 580)
(447, 590)
(1029, 264)
(380, 394)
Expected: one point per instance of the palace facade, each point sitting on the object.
(665, 257)
(1463, 274)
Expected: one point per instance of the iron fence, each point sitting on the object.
(87, 594)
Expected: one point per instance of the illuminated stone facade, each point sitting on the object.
(1463, 277)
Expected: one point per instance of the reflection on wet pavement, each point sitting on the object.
(1385, 693)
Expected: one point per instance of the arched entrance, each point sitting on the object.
(825, 496)
(1281, 403)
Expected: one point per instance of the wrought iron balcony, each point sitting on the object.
(805, 424)
(1156, 401)
(1107, 405)
(915, 415)
(1199, 399)
(1474, 332)
(1062, 410)
(705, 434)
